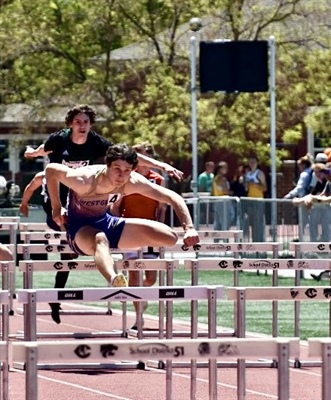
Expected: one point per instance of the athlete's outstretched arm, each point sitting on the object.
(33, 185)
(167, 168)
(30, 152)
(141, 185)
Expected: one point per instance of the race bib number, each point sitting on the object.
(76, 164)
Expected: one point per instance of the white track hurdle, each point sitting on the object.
(210, 349)
(4, 370)
(10, 224)
(297, 293)
(321, 347)
(28, 267)
(31, 297)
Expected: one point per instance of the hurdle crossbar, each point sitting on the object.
(316, 247)
(209, 349)
(229, 247)
(30, 266)
(256, 264)
(211, 234)
(30, 298)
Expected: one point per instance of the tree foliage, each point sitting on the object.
(133, 57)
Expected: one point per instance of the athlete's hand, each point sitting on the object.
(24, 209)
(30, 152)
(60, 216)
(174, 173)
(191, 238)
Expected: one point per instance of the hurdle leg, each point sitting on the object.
(169, 333)
(283, 371)
(194, 329)
(161, 307)
(31, 374)
(12, 276)
(30, 318)
(5, 333)
(212, 328)
(326, 371)
(241, 333)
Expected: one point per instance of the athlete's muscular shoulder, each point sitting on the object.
(80, 180)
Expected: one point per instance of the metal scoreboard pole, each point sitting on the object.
(272, 91)
(194, 131)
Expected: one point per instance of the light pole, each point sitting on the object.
(195, 26)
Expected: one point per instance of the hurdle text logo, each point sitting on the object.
(294, 293)
(108, 350)
(157, 348)
(228, 349)
(171, 294)
(71, 295)
(120, 295)
(204, 349)
(83, 351)
(311, 293)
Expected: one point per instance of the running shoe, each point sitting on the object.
(55, 312)
(119, 281)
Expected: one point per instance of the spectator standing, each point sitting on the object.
(223, 211)
(320, 158)
(205, 181)
(323, 198)
(256, 186)
(302, 188)
(238, 188)
(320, 214)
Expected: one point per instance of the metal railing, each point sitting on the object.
(254, 216)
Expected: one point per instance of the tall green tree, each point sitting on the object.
(132, 58)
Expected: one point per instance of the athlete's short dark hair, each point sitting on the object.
(121, 152)
(79, 109)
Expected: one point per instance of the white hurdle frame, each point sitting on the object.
(174, 293)
(11, 224)
(32, 353)
(53, 239)
(273, 264)
(288, 293)
(299, 248)
(29, 267)
(4, 370)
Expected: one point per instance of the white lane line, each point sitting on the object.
(87, 389)
(306, 372)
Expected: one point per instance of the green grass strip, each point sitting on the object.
(314, 316)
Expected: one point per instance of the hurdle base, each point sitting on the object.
(69, 312)
(73, 335)
(305, 363)
(156, 334)
(121, 365)
(205, 364)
